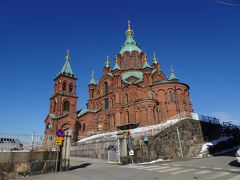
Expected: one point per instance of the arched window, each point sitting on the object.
(54, 106)
(170, 97)
(127, 117)
(126, 60)
(70, 87)
(184, 95)
(84, 127)
(126, 98)
(106, 103)
(64, 86)
(106, 88)
(66, 106)
(49, 126)
(134, 60)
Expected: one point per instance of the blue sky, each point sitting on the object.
(199, 38)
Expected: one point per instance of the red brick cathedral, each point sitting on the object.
(130, 94)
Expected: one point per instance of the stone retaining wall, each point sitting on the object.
(164, 145)
(15, 164)
(93, 148)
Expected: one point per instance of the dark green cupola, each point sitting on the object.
(66, 69)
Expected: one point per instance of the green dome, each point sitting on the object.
(130, 44)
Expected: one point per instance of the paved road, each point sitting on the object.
(211, 168)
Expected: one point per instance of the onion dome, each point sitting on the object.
(130, 44)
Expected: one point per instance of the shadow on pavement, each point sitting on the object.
(234, 163)
(79, 166)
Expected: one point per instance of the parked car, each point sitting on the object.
(10, 144)
(238, 155)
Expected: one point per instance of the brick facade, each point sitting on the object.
(130, 94)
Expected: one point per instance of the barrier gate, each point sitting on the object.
(114, 153)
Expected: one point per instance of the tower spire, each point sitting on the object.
(129, 31)
(116, 66)
(67, 57)
(172, 75)
(107, 62)
(129, 25)
(146, 65)
(92, 81)
(155, 59)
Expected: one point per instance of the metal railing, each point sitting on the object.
(26, 142)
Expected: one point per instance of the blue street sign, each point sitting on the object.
(60, 133)
(145, 138)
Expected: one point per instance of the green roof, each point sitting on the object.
(116, 67)
(172, 75)
(54, 116)
(136, 74)
(66, 69)
(85, 110)
(130, 44)
(146, 65)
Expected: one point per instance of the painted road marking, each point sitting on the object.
(162, 167)
(202, 167)
(176, 165)
(145, 167)
(202, 172)
(235, 170)
(217, 168)
(219, 175)
(167, 170)
(182, 171)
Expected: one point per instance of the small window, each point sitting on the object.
(106, 103)
(66, 106)
(54, 106)
(126, 98)
(170, 97)
(134, 59)
(70, 87)
(49, 126)
(126, 61)
(84, 127)
(64, 86)
(106, 88)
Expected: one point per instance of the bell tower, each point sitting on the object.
(64, 98)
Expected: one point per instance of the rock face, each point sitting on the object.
(165, 144)
(168, 144)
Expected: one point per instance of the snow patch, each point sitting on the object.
(134, 131)
(155, 161)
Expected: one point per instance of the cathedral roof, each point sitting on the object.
(132, 77)
(66, 69)
(85, 110)
(146, 64)
(92, 81)
(172, 75)
(54, 116)
(116, 66)
(130, 44)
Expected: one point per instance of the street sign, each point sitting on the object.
(131, 153)
(60, 133)
(59, 140)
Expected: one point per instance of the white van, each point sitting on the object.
(10, 144)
